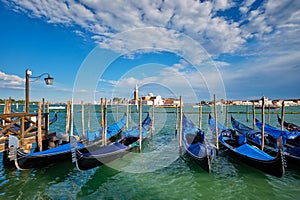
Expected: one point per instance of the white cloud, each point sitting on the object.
(222, 4)
(267, 29)
(11, 81)
(103, 18)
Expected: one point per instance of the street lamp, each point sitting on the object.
(48, 81)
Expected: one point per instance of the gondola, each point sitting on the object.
(105, 154)
(294, 130)
(196, 145)
(62, 152)
(290, 141)
(289, 126)
(236, 144)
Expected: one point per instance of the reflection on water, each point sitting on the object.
(159, 172)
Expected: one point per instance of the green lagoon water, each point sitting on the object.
(160, 171)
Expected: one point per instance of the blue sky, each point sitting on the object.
(236, 49)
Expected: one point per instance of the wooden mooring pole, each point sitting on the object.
(180, 123)
(247, 113)
(176, 120)
(72, 118)
(105, 122)
(269, 115)
(226, 113)
(200, 115)
(263, 123)
(282, 116)
(39, 125)
(152, 126)
(117, 111)
(68, 115)
(82, 119)
(140, 123)
(216, 124)
(127, 115)
(253, 115)
(89, 117)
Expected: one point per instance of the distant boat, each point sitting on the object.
(167, 106)
(267, 106)
(57, 107)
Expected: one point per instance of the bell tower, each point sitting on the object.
(136, 93)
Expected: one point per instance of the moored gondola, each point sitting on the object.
(290, 142)
(236, 144)
(196, 145)
(105, 154)
(62, 152)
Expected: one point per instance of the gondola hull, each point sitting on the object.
(58, 154)
(27, 161)
(106, 154)
(274, 167)
(291, 153)
(235, 144)
(195, 144)
(204, 162)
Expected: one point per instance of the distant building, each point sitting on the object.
(150, 99)
(171, 101)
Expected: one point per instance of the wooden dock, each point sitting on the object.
(29, 128)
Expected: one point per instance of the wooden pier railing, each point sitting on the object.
(29, 128)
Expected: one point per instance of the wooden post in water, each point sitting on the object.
(39, 125)
(200, 115)
(226, 111)
(141, 133)
(89, 117)
(102, 119)
(269, 115)
(253, 115)
(82, 118)
(247, 112)
(117, 110)
(105, 122)
(180, 123)
(130, 112)
(216, 123)
(282, 116)
(43, 105)
(176, 120)
(127, 115)
(68, 114)
(72, 118)
(22, 130)
(152, 126)
(263, 123)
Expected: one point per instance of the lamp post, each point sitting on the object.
(48, 81)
